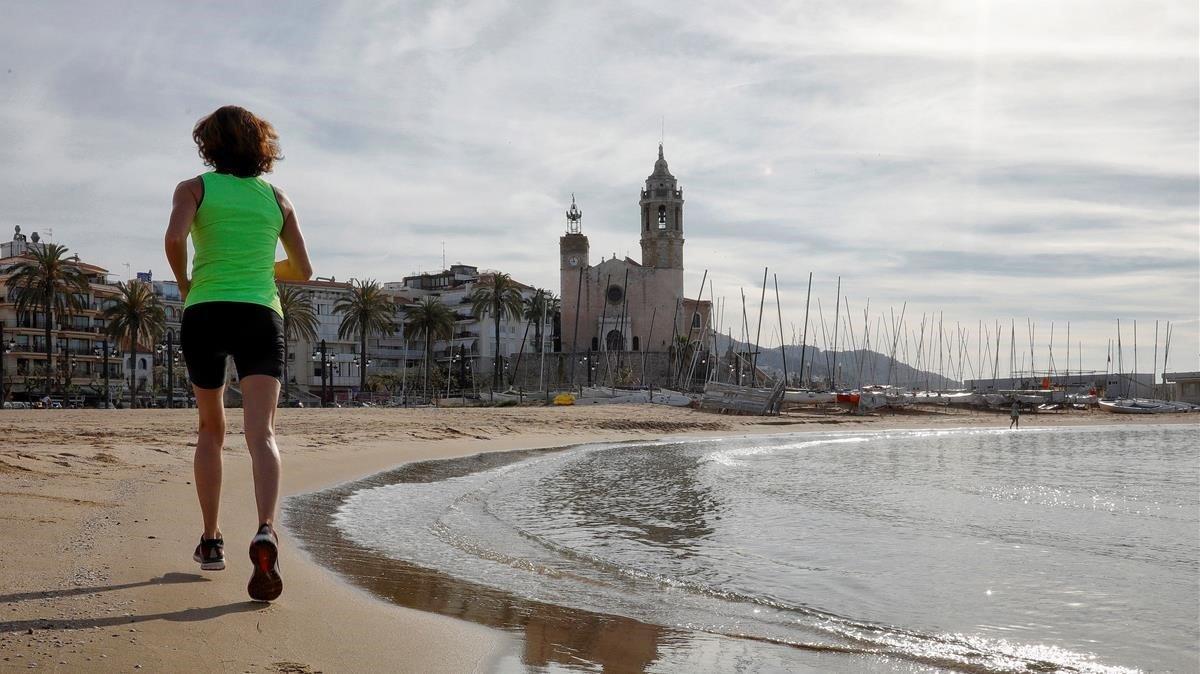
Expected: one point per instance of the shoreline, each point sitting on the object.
(101, 504)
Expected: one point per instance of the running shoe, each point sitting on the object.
(265, 583)
(210, 553)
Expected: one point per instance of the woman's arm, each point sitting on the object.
(183, 212)
(296, 267)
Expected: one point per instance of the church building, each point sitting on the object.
(625, 305)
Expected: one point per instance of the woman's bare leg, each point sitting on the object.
(207, 462)
(260, 396)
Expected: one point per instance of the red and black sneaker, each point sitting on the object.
(265, 583)
(210, 553)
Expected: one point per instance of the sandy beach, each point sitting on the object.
(100, 520)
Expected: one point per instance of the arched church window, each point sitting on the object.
(635, 343)
(696, 320)
(614, 341)
(662, 217)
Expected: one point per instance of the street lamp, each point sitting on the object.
(107, 353)
(355, 361)
(322, 356)
(170, 355)
(7, 348)
(591, 367)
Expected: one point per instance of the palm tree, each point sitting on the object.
(368, 310)
(50, 282)
(137, 317)
(542, 304)
(299, 322)
(537, 306)
(431, 320)
(497, 296)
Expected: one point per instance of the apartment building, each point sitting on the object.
(79, 339)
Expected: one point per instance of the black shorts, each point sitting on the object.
(251, 333)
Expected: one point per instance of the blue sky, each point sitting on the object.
(989, 160)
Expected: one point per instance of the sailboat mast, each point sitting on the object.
(1136, 387)
(804, 338)
(758, 335)
(575, 336)
(782, 346)
(837, 313)
(1154, 363)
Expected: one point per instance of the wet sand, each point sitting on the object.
(100, 519)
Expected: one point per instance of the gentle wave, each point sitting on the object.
(506, 528)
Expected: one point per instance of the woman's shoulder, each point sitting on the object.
(285, 204)
(193, 187)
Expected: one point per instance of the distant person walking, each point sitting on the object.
(1015, 415)
(231, 308)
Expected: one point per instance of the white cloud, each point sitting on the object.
(929, 152)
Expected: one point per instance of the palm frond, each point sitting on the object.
(299, 314)
(497, 296)
(429, 317)
(136, 316)
(48, 281)
(367, 309)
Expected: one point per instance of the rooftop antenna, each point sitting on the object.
(444, 255)
(662, 131)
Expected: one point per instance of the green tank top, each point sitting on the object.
(235, 233)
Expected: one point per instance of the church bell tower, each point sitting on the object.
(662, 218)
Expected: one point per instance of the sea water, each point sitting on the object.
(1072, 549)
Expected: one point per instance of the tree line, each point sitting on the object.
(48, 283)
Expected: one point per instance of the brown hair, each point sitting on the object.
(233, 140)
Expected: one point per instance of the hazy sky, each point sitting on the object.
(989, 160)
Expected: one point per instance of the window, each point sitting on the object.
(635, 343)
(615, 294)
(696, 320)
(595, 343)
(662, 217)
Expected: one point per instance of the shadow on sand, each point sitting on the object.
(192, 614)
(165, 579)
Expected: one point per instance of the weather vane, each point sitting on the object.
(574, 216)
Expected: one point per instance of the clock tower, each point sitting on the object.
(572, 246)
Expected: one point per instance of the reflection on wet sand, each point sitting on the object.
(551, 634)
(662, 488)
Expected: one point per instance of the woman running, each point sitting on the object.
(231, 308)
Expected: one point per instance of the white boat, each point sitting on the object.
(946, 398)
(669, 397)
(1145, 406)
(596, 395)
(806, 397)
(1082, 398)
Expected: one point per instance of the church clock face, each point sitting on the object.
(573, 261)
